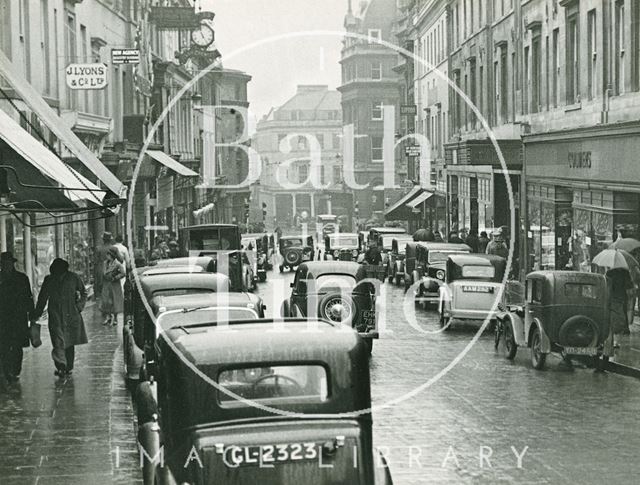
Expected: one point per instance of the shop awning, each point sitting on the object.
(170, 163)
(419, 200)
(29, 182)
(58, 127)
(395, 211)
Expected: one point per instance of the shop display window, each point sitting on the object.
(547, 236)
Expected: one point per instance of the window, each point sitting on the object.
(504, 85)
(547, 73)
(377, 111)
(374, 35)
(71, 54)
(472, 90)
(377, 154)
(496, 94)
(303, 143)
(635, 44)
(619, 45)
(580, 291)
(591, 52)
(535, 74)
(525, 82)
(320, 138)
(456, 28)
(335, 141)
(573, 58)
(44, 46)
(457, 101)
(303, 173)
(376, 70)
(337, 175)
(481, 90)
(464, 19)
(85, 58)
(555, 74)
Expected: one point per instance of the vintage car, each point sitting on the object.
(295, 250)
(326, 224)
(426, 262)
(472, 288)
(335, 291)
(341, 246)
(563, 311)
(221, 242)
(157, 281)
(375, 233)
(243, 405)
(385, 243)
(395, 258)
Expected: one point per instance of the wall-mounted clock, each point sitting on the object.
(203, 36)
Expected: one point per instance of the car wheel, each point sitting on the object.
(262, 277)
(337, 308)
(445, 322)
(510, 344)
(369, 344)
(538, 358)
(146, 405)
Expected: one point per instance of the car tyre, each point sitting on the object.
(369, 344)
(347, 300)
(262, 277)
(510, 344)
(538, 358)
(146, 405)
(445, 322)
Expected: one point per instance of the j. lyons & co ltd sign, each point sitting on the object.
(86, 76)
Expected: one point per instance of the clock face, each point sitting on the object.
(202, 36)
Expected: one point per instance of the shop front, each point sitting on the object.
(583, 192)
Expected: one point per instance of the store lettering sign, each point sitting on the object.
(579, 160)
(86, 76)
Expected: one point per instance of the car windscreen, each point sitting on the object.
(343, 241)
(387, 242)
(579, 290)
(441, 256)
(197, 316)
(181, 291)
(212, 239)
(292, 243)
(480, 272)
(281, 384)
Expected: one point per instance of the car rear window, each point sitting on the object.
(290, 243)
(478, 272)
(279, 384)
(332, 281)
(441, 256)
(580, 290)
(181, 291)
(189, 317)
(344, 241)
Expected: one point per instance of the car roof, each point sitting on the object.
(210, 226)
(205, 281)
(348, 234)
(295, 237)
(194, 300)
(319, 268)
(475, 259)
(163, 270)
(389, 230)
(575, 276)
(203, 261)
(205, 345)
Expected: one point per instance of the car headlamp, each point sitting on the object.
(336, 253)
(440, 274)
(354, 253)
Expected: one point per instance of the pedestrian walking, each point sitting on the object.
(16, 306)
(437, 237)
(473, 241)
(100, 258)
(497, 246)
(621, 289)
(64, 293)
(112, 304)
(483, 241)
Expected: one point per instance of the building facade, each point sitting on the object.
(369, 84)
(308, 125)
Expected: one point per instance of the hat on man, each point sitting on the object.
(7, 256)
(107, 236)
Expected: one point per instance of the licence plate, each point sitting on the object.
(580, 350)
(369, 318)
(477, 289)
(267, 455)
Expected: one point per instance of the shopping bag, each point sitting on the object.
(34, 335)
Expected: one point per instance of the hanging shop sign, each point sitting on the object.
(86, 76)
(125, 56)
(408, 110)
(412, 150)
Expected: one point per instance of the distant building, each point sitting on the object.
(369, 83)
(312, 114)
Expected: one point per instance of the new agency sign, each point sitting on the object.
(86, 76)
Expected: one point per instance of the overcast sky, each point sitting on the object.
(278, 66)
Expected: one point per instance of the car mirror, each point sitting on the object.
(292, 284)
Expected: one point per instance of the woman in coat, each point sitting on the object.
(112, 291)
(64, 293)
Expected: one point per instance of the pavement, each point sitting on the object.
(77, 430)
(626, 360)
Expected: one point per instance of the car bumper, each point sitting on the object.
(370, 335)
(479, 315)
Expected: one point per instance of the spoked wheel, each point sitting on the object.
(497, 333)
(538, 358)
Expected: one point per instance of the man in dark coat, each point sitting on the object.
(16, 305)
(483, 241)
(66, 296)
(473, 241)
(454, 238)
